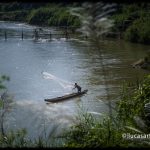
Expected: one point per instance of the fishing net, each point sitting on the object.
(63, 83)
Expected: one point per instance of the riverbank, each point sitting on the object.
(49, 15)
(131, 21)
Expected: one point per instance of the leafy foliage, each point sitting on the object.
(139, 31)
(133, 22)
(2, 79)
(63, 18)
(133, 103)
(89, 132)
(39, 14)
(53, 16)
(15, 6)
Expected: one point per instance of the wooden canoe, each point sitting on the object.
(68, 96)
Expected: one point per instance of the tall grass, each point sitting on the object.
(54, 15)
(129, 115)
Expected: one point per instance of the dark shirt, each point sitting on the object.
(78, 87)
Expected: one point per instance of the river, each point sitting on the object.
(71, 60)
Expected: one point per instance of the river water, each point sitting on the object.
(71, 60)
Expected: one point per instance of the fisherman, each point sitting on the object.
(78, 87)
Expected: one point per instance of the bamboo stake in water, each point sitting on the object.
(22, 35)
(5, 35)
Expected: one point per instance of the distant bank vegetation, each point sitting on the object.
(52, 16)
(131, 20)
(36, 14)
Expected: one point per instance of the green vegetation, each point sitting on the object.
(139, 31)
(2, 79)
(52, 16)
(19, 139)
(44, 15)
(133, 20)
(13, 15)
(128, 118)
(94, 133)
(15, 6)
(4, 106)
(14, 139)
(132, 103)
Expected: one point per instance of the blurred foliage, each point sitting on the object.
(2, 79)
(133, 101)
(139, 31)
(91, 132)
(14, 6)
(133, 20)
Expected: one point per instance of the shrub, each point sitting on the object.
(52, 16)
(39, 16)
(91, 132)
(133, 21)
(133, 102)
(139, 31)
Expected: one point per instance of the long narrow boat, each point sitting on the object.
(65, 97)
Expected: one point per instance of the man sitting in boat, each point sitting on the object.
(78, 87)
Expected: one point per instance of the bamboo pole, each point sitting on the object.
(5, 35)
